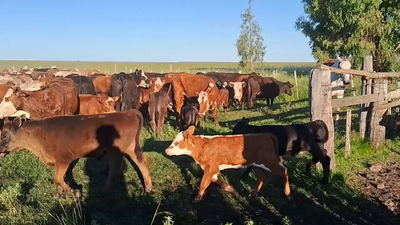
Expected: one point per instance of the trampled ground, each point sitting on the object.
(26, 187)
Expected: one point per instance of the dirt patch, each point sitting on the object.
(381, 184)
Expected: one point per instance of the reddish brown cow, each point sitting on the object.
(216, 153)
(223, 99)
(58, 141)
(88, 72)
(58, 98)
(5, 87)
(92, 104)
(102, 84)
(190, 85)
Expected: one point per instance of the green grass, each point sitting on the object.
(26, 189)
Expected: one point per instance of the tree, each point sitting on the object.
(358, 28)
(250, 44)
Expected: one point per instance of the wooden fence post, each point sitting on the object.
(366, 90)
(378, 129)
(170, 68)
(295, 82)
(115, 68)
(320, 101)
(348, 133)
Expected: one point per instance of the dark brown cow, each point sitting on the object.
(92, 104)
(266, 87)
(58, 98)
(60, 140)
(220, 152)
(190, 85)
(158, 108)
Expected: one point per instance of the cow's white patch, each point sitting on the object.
(110, 99)
(6, 107)
(215, 136)
(262, 166)
(174, 148)
(237, 89)
(227, 166)
(211, 85)
(144, 75)
(203, 97)
(215, 176)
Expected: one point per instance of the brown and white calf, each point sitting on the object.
(92, 104)
(220, 152)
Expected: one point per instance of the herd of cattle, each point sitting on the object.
(104, 115)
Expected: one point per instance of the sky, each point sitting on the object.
(146, 30)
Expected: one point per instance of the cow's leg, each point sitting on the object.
(205, 182)
(115, 166)
(272, 101)
(199, 123)
(247, 172)
(58, 178)
(161, 118)
(153, 122)
(69, 174)
(141, 160)
(319, 153)
(225, 110)
(215, 117)
(178, 103)
(310, 165)
(225, 186)
(261, 175)
(281, 171)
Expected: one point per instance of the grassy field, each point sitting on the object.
(26, 189)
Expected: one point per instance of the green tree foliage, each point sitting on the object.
(250, 44)
(356, 27)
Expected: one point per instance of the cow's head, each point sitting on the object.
(286, 88)
(8, 134)
(344, 63)
(241, 126)
(141, 79)
(204, 103)
(182, 144)
(238, 88)
(108, 103)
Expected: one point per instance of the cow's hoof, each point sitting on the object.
(57, 196)
(149, 190)
(229, 188)
(197, 199)
(77, 193)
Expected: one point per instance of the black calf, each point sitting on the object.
(295, 138)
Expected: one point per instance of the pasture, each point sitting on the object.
(26, 189)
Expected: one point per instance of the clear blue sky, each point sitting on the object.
(145, 30)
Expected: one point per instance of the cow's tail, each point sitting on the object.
(248, 92)
(169, 89)
(321, 131)
(123, 105)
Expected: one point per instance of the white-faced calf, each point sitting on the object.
(216, 153)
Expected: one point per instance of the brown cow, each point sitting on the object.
(5, 87)
(102, 84)
(190, 85)
(223, 99)
(220, 152)
(58, 98)
(88, 72)
(92, 104)
(158, 108)
(60, 140)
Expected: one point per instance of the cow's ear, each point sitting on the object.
(17, 123)
(116, 98)
(189, 132)
(244, 84)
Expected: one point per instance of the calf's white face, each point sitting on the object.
(238, 89)
(182, 144)
(203, 102)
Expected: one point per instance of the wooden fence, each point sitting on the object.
(374, 103)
